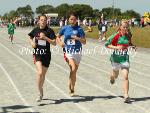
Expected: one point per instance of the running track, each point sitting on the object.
(95, 94)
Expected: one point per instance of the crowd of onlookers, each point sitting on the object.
(87, 21)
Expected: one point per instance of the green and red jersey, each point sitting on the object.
(119, 56)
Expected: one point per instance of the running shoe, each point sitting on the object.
(112, 79)
(71, 93)
(39, 98)
(103, 39)
(127, 100)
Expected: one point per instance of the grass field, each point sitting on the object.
(141, 36)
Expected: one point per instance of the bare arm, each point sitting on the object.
(32, 43)
(59, 41)
(51, 41)
(114, 47)
(82, 40)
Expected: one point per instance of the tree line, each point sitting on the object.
(64, 10)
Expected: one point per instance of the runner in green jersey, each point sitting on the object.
(120, 42)
(11, 27)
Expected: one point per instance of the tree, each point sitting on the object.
(25, 11)
(108, 12)
(76, 9)
(96, 13)
(130, 13)
(44, 9)
(5, 16)
(117, 12)
(63, 10)
(81, 10)
(86, 11)
(12, 14)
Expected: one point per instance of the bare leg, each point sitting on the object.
(11, 38)
(114, 76)
(41, 72)
(72, 77)
(125, 82)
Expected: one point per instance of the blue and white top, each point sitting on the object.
(71, 45)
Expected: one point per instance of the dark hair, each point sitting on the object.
(73, 14)
(10, 20)
(41, 16)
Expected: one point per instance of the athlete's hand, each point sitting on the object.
(75, 37)
(62, 44)
(42, 36)
(134, 47)
(33, 45)
(119, 47)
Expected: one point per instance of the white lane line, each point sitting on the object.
(100, 88)
(137, 62)
(92, 66)
(138, 52)
(101, 70)
(15, 87)
(141, 63)
(94, 85)
(98, 45)
(14, 38)
(140, 73)
(133, 70)
(58, 89)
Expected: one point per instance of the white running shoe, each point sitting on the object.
(39, 98)
(103, 39)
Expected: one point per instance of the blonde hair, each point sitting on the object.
(122, 22)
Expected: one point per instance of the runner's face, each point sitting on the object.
(124, 28)
(72, 20)
(42, 21)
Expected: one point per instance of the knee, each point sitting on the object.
(126, 78)
(39, 72)
(73, 70)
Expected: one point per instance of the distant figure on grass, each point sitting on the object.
(11, 27)
(120, 42)
(89, 29)
(102, 30)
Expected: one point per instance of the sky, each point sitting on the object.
(139, 6)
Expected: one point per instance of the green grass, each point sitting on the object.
(141, 36)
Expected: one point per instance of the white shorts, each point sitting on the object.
(75, 56)
(117, 66)
(100, 32)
